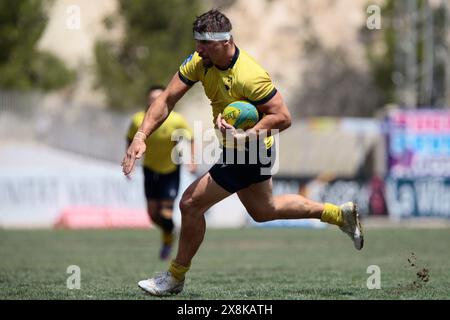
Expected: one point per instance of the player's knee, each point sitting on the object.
(259, 217)
(188, 204)
(153, 214)
(166, 210)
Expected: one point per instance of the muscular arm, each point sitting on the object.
(277, 115)
(157, 112)
(163, 105)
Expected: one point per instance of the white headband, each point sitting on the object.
(212, 36)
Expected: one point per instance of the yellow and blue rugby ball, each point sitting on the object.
(241, 115)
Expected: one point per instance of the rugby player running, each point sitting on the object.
(229, 74)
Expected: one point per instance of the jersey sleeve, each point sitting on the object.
(189, 69)
(259, 88)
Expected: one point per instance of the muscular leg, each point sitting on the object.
(161, 212)
(263, 206)
(198, 197)
(153, 208)
(166, 214)
(166, 208)
(167, 236)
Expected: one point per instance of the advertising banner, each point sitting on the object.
(419, 143)
(418, 197)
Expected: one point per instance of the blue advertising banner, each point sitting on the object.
(424, 197)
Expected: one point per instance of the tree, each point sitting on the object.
(158, 36)
(332, 86)
(409, 55)
(22, 66)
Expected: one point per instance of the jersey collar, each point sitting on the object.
(233, 61)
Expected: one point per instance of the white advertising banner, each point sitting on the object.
(35, 196)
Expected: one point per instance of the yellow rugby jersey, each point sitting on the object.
(159, 143)
(244, 79)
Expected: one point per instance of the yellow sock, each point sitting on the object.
(332, 214)
(178, 271)
(167, 238)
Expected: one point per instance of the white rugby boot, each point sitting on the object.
(162, 284)
(352, 227)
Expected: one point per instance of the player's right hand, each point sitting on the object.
(134, 152)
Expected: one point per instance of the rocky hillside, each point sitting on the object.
(276, 33)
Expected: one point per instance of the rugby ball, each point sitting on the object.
(241, 115)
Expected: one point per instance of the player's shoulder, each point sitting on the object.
(248, 60)
(193, 58)
(248, 65)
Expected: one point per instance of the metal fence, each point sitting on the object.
(89, 131)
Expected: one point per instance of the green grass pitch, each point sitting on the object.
(231, 264)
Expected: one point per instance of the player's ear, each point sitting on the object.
(229, 42)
